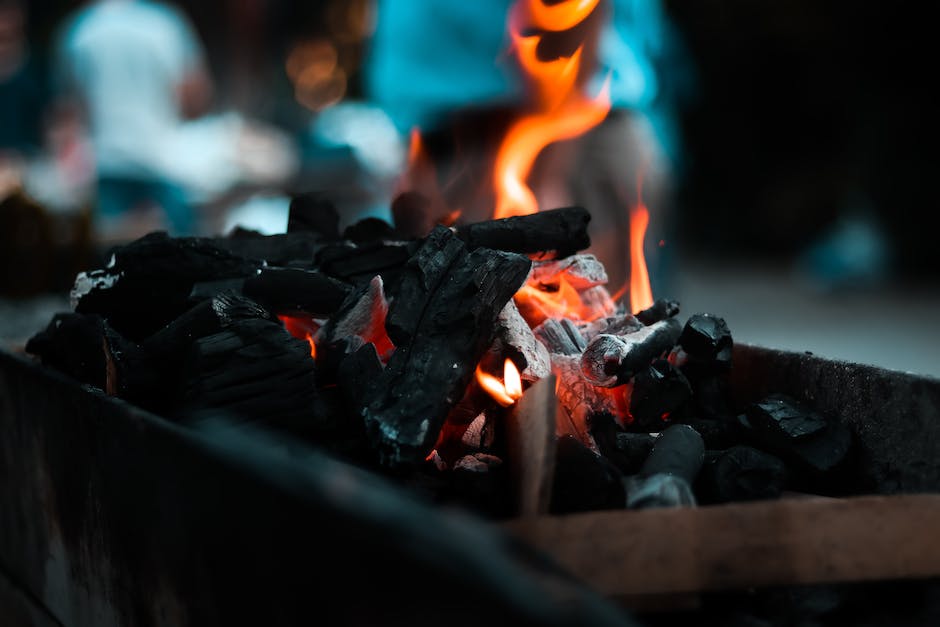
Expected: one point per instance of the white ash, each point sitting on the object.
(85, 282)
(477, 462)
(580, 271)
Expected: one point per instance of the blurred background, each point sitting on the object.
(786, 149)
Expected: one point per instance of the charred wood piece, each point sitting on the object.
(478, 481)
(627, 451)
(530, 428)
(804, 439)
(782, 418)
(287, 290)
(667, 475)
(580, 271)
(707, 341)
(611, 360)
(171, 343)
(514, 339)
(583, 480)
(283, 249)
(582, 400)
(741, 473)
(659, 392)
(718, 435)
(560, 336)
(622, 324)
(148, 282)
(256, 370)
(678, 451)
(558, 232)
(362, 314)
(313, 213)
(73, 344)
(660, 310)
(597, 301)
(205, 290)
(358, 264)
(441, 321)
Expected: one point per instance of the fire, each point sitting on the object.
(505, 392)
(536, 303)
(641, 294)
(561, 111)
(302, 328)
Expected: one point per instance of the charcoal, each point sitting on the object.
(73, 344)
(369, 230)
(808, 442)
(584, 481)
(441, 321)
(359, 264)
(480, 434)
(741, 473)
(362, 315)
(148, 282)
(620, 324)
(678, 451)
(717, 434)
(581, 400)
(611, 360)
(711, 396)
(667, 475)
(170, 344)
(558, 233)
(659, 490)
(581, 272)
(659, 392)
(514, 340)
(627, 451)
(282, 249)
(660, 310)
(560, 336)
(253, 369)
(313, 213)
(205, 290)
(357, 371)
(480, 483)
(707, 341)
(288, 290)
(330, 356)
(781, 417)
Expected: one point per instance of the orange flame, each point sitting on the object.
(302, 328)
(562, 112)
(536, 303)
(505, 392)
(641, 294)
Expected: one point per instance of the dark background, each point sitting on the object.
(803, 108)
(800, 109)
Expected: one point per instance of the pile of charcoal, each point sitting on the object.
(374, 345)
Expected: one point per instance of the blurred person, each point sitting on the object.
(446, 68)
(134, 70)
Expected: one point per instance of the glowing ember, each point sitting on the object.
(505, 392)
(537, 302)
(302, 328)
(561, 111)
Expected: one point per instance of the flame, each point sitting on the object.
(561, 111)
(303, 328)
(536, 303)
(505, 392)
(641, 294)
